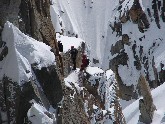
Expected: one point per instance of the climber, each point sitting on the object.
(73, 53)
(60, 46)
(85, 62)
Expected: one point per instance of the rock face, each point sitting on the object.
(36, 20)
(146, 105)
(92, 84)
(23, 79)
(138, 16)
(103, 93)
(50, 83)
(9, 10)
(72, 110)
(130, 51)
(15, 101)
(32, 18)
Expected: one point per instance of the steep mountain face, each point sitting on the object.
(87, 97)
(125, 36)
(139, 21)
(37, 84)
(32, 18)
(28, 76)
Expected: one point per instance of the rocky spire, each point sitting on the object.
(146, 104)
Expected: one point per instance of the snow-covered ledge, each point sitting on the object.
(67, 42)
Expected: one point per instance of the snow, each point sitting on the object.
(36, 115)
(132, 112)
(22, 52)
(125, 103)
(73, 79)
(109, 73)
(94, 70)
(125, 72)
(96, 73)
(67, 42)
(110, 77)
(54, 18)
(73, 76)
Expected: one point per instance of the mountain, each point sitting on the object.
(127, 35)
(123, 83)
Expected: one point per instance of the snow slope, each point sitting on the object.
(132, 112)
(90, 21)
(22, 52)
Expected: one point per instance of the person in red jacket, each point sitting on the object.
(85, 62)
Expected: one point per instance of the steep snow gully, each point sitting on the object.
(89, 20)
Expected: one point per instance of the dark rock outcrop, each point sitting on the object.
(146, 105)
(72, 109)
(51, 85)
(15, 101)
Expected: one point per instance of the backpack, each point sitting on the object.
(87, 62)
(74, 53)
(61, 47)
